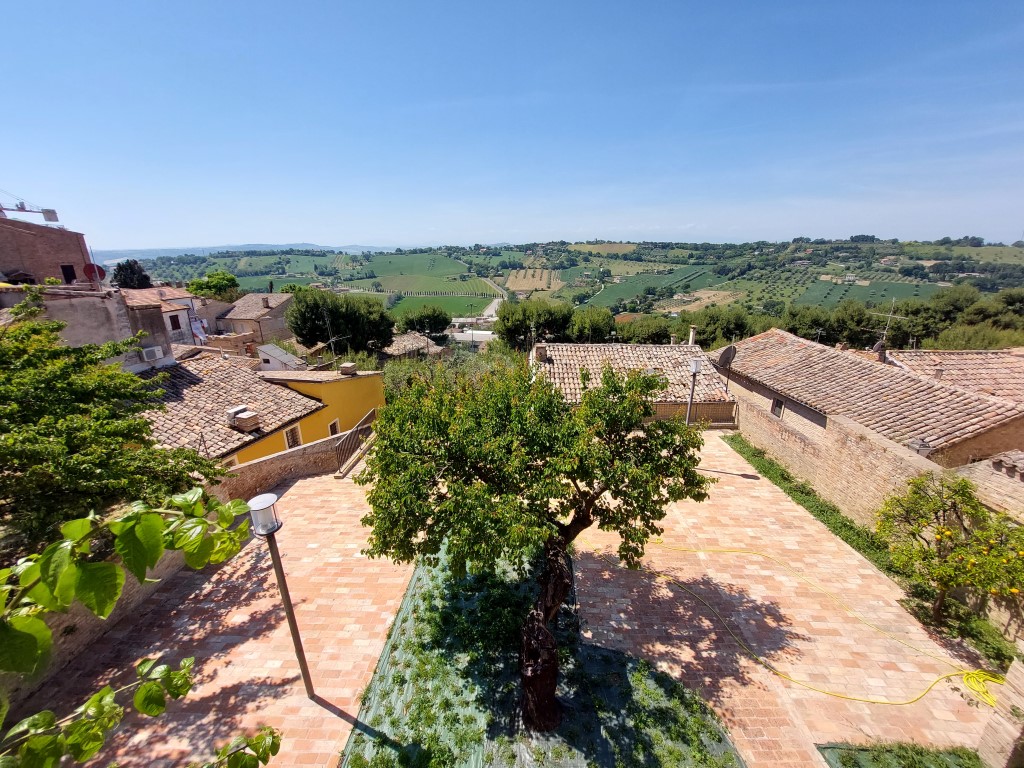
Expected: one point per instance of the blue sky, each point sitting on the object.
(399, 123)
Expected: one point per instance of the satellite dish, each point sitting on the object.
(95, 272)
(728, 355)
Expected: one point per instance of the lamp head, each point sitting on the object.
(263, 510)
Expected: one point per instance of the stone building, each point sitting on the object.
(30, 253)
(261, 314)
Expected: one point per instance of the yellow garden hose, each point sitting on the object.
(975, 680)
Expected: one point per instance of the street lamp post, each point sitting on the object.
(266, 523)
(694, 370)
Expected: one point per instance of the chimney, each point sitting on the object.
(693, 335)
(266, 302)
(937, 373)
(540, 353)
(247, 421)
(673, 339)
(347, 369)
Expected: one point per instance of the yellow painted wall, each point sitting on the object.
(346, 400)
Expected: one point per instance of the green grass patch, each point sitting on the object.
(446, 690)
(896, 755)
(960, 622)
(456, 306)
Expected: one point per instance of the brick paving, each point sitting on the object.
(799, 630)
(231, 620)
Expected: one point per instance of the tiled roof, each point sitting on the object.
(996, 372)
(406, 343)
(198, 393)
(898, 404)
(565, 361)
(275, 352)
(250, 306)
(148, 297)
(311, 375)
(1014, 459)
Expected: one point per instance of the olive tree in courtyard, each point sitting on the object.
(500, 467)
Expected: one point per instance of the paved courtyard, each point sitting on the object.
(797, 629)
(231, 620)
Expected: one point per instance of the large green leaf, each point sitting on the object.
(83, 739)
(149, 699)
(58, 572)
(141, 545)
(25, 643)
(42, 751)
(190, 533)
(199, 556)
(76, 529)
(99, 587)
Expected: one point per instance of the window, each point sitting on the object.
(68, 272)
(777, 407)
(292, 437)
(334, 427)
(175, 323)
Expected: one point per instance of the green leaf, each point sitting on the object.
(83, 739)
(149, 699)
(243, 760)
(5, 707)
(178, 684)
(99, 587)
(42, 751)
(40, 721)
(143, 667)
(190, 533)
(59, 573)
(76, 529)
(31, 576)
(25, 643)
(199, 556)
(159, 672)
(141, 545)
(188, 501)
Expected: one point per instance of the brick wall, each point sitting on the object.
(76, 630)
(1005, 437)
(847, 464)
(41, 251)
(262, 475)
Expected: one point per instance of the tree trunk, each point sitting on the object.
(937, 605)
(538, 659)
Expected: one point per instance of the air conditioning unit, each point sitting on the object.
(149, 354)
(233, 413)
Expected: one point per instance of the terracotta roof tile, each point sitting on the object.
(565, 361)
(995, 372)
(198, 393)
(898, 404)
(148, 297)
(407, 343)
(250, 306)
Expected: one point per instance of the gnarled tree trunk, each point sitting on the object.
(538, 659)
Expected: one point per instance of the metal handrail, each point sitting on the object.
(354, 438)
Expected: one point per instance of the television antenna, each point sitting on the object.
(889, 317)
(23, 206)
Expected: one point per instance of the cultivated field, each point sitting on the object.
(474, 286)
(828, 294)
(701, 299)
(608, 248)
(456, 306)
(533, 280)
(1000, 254)
(631, 286)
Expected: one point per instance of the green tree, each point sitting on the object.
(591, 325)
(521, 324)
(646, 329)
(219, 284)
(346, 322)
(429, 319)
(130, 274)
(500, 466)
(74, 437)
(939, 532)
